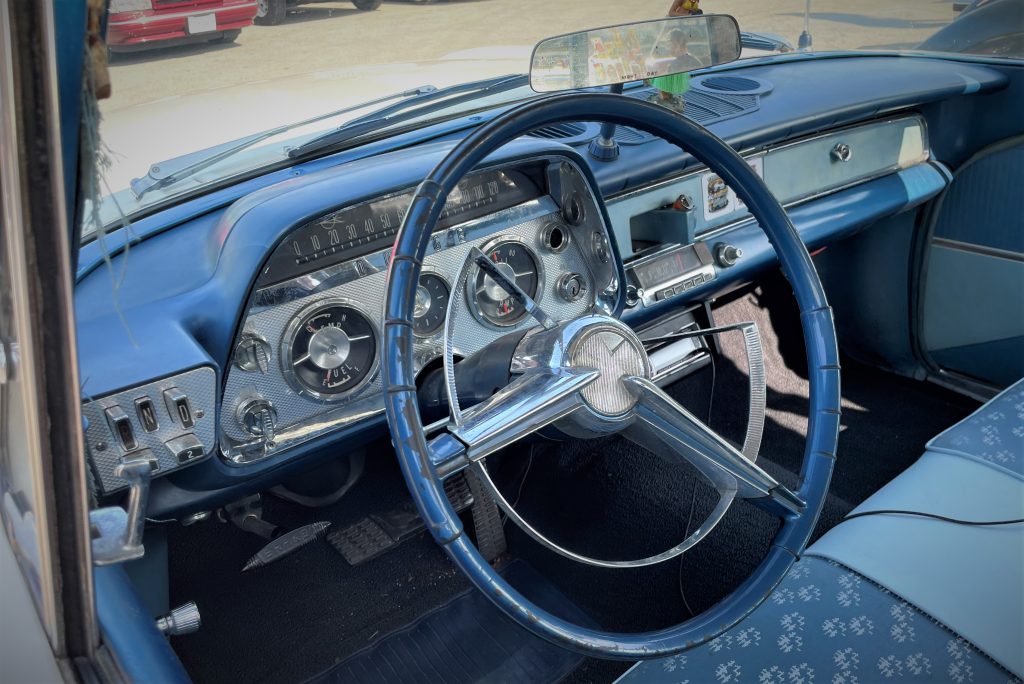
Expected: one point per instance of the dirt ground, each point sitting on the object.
(332, 36)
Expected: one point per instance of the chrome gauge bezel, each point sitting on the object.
(474, 272)
(429, 270)
(288, 339)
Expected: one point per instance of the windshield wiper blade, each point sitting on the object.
(410, 108)
(170, 171)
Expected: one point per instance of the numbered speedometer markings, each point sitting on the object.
(332, 351)
(490, 301)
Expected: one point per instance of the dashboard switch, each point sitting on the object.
(122, 428)
(185, 448)
(179, 407)
(727, 255)
(259, 418)
(252, 353)
(147, 414)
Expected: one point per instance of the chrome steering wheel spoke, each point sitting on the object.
(529, 403)
(662, 423)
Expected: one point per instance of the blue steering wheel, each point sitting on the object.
(593, 372)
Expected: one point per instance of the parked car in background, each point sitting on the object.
(271, 12)
(984, 27)
(142, 24)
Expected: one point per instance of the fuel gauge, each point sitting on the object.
(332, 351)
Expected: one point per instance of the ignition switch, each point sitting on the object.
(571, 286)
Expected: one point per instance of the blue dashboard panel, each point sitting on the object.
(174, 300)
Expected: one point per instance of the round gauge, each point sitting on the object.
(431, 304)
(490, 301)
(332, 351)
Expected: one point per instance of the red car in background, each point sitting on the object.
(139, 24)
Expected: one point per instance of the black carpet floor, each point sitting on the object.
(294, 618)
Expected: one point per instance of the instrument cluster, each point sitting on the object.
(308, 354)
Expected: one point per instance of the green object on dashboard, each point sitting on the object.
(677, 84)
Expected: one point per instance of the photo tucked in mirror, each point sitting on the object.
(633, 52)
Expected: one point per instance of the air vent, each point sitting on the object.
(631, 136)
(559, 131)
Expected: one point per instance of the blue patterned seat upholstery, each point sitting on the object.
(826, 623)
(994, 434)
(894, 597)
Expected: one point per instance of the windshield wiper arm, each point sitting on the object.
(170, 171)
(410, 108)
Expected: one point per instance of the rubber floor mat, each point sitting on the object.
(467, 640)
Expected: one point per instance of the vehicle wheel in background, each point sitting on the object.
(367, 5)
(228, 36)
(269, 12)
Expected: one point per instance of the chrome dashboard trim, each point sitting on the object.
(344, 272)
(745, 217)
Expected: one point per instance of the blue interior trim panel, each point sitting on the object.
(129, 631)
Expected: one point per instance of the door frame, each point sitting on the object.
(42, 352)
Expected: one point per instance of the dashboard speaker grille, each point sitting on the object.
(731, 84)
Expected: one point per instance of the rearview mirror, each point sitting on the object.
(633, 52)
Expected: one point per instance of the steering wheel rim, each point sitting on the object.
(409, 439)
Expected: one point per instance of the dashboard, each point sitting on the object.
(246, 342)
(308, 356)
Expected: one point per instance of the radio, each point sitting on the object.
(670, 271)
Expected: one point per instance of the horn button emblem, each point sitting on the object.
(618, 354)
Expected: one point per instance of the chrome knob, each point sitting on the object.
(727, 255)
(184, 619)
(252, 353)
(841, 153)
(258, 417)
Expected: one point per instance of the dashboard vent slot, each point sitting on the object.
(704, 108)
(707, 106)
(631, 136)
(560, 131)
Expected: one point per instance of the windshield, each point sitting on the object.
(217, 71)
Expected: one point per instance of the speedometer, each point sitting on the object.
(331, 351)
(488, 300)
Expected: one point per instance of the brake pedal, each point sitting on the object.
(375, 535)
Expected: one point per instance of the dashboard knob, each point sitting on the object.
(841, 153)
(184, 619)
(258, 417)
(727, 255)
(252, 353)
